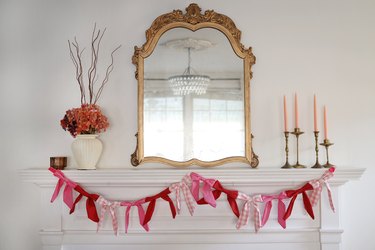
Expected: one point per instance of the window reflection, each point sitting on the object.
(185, 127)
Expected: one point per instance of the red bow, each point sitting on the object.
(68, 190)
(151, 207)
(306, 201)
(231, 197)
(92, 214)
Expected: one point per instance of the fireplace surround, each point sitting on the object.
(209, 228)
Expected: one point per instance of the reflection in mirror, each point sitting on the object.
(194, 97)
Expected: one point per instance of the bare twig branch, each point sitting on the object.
(79, 71)
(76, 56)
(96, 51)
(80, 75)
(92, 70)
(106, 78)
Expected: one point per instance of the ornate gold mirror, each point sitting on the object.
(193, 91)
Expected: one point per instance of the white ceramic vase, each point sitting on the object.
(87, 150)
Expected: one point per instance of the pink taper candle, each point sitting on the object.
(325, 123)
(285, 116)
(315, 116)
(296, 110)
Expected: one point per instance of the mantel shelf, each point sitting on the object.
(157, 177)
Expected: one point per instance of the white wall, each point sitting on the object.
(322, 47)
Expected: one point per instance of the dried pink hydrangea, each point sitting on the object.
(88, 119)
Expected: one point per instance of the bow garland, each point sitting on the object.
(191, 187)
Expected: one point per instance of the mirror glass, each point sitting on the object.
(193, 97)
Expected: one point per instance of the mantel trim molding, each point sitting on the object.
(238, 176)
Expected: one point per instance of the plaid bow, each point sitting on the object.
(183, 185)
(318, 187)
(111, 206)
(245, 214)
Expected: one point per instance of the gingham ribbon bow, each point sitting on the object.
(206, 189)
(280, 208)
(318, 187)
(183, 185)
(68, 190)
(105, 205)
(245, 213)
(141, 213)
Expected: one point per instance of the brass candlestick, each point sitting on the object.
(286, 165)
(326, 143)
(317, 164)
(297, 132)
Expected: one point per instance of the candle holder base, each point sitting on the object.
(299, 166)
(317, 165)
(328, 165)
(326, 143)
(287, 165)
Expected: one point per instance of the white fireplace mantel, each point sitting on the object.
(209, 228)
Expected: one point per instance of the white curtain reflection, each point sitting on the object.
(164, 127)
(180, 128)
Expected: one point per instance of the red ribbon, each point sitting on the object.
(151, 206)
(92, 214)
(231, 197)
(68, 190)
(306, 201)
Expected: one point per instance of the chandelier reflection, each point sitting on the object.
(190, 82)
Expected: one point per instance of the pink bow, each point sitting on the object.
(245, 213)
(318, 187)
(68, 190)
(141, 213)
(105, 204)
(206, 190)
(183, 185)
(280, 211)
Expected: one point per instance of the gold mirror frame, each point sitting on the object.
(193, 20)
